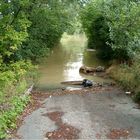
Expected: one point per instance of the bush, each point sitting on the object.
(13, 83)
(8, 117)
(127, 76)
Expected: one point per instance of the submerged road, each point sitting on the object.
(108, 113)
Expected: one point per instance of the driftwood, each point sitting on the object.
(94, 83)
(90, 50)
(72, 82)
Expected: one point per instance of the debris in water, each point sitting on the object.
(87, 83)
(128, 93)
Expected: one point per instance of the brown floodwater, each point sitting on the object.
(64, 62)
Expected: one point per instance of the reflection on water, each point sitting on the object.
(64, 62)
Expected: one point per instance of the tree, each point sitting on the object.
(49, 20)
(113, 27)
(13, 31)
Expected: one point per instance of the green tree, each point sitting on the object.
(113, 27)
(124, 27)
(95, 25)
(49, 21)
(13, 31)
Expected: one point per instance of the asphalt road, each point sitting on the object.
(101, 115)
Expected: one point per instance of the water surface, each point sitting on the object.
(65, 60)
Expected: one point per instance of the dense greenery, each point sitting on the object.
(14, 79)
(13, 32)
(28, 29)
(49, 21)
(113, 28)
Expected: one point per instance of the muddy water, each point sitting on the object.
(64, 62)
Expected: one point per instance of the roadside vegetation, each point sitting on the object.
(113, 28)
(28, 30)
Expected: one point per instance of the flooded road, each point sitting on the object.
(64, 62)
(88, 113)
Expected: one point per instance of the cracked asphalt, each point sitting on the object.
(95, 115)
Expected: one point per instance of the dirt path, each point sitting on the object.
(85, 114)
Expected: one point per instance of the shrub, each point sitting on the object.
(13, 83)
(127, 76)
(8, 117)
